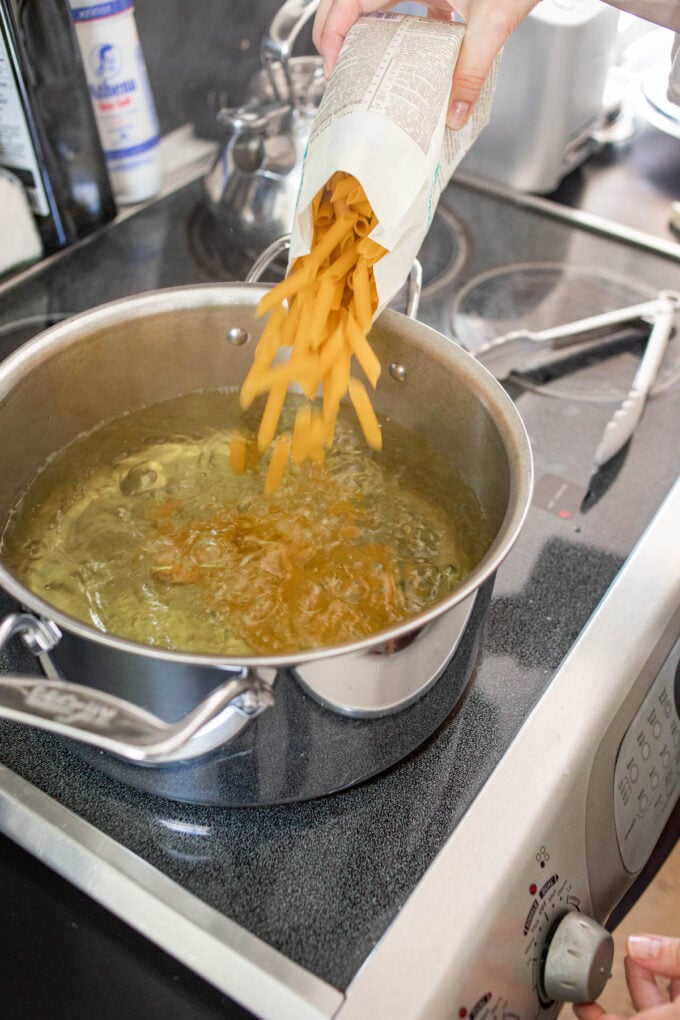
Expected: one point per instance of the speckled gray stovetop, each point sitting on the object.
(321, 880)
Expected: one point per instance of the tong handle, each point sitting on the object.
(656, 346)
(522, 350)
(624, 421)
(592, 326)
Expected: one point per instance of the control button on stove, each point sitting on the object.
(578, 961)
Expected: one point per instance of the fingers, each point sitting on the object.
(332, 22)
(334, 18)
(658, 953)
(589, 1011)
(649, 957)
(489, 24)
(592, 1011)
(642, 985)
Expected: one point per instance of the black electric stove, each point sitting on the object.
(304, 892)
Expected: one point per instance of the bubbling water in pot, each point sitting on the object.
(142, 530)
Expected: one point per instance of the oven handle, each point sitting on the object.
(114, 725)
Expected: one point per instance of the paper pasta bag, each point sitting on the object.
(383, 120)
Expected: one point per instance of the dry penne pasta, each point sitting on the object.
(362, 350)
(277, 464)
(339, 187)
(320, 314)
(365, 413)
(237, 454)
(362, 296)
(272, 413)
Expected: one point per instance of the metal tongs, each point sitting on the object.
(524, 351)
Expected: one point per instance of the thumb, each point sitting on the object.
(658, 953)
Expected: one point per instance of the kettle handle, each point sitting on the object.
(277, 46)
(112, 724)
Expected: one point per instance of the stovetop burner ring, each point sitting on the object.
(537, 295)
(442, 254)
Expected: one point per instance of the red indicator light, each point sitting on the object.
(462, 1012)
(533, 889)
(564, 514)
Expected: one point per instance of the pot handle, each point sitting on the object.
(415, 288)
(114, 725)
(265, 259)
(282, 244)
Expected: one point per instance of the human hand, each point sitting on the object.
(648, 956)
(489, 23)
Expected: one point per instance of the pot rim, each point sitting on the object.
(487, 389)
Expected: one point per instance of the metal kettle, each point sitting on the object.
(251, 190)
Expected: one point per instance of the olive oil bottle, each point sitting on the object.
(48, 133)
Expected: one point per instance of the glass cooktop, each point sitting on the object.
(320, 881)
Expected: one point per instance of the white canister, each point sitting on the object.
(121, 96)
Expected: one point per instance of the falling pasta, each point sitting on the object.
(322, 312)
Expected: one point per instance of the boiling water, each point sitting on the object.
(143, 530)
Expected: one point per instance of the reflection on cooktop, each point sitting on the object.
(533, 296)
(13, 334)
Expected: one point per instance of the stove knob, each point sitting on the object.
(578, 961)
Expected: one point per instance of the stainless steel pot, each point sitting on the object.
(154, 706)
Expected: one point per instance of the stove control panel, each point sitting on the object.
(554, 911)
(545, 945)
(647, 772)
(560, 954)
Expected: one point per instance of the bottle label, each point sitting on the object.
(95, 11)
(117, 79)
(16, 148)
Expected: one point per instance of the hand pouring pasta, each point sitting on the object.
(323, 310)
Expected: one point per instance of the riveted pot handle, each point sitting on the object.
(112, 724)
(282, 244)
(263, 261)
(415, 288)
